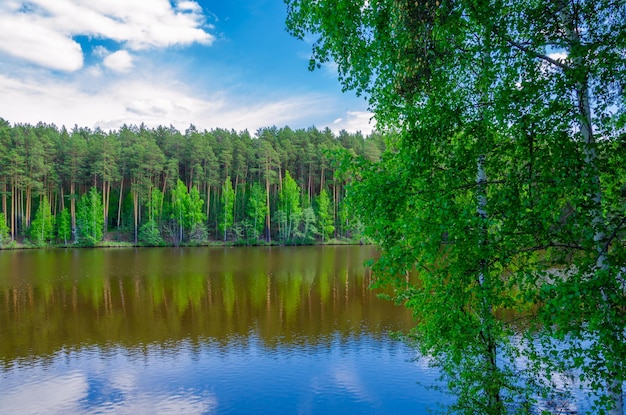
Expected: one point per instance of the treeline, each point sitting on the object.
(158, 186)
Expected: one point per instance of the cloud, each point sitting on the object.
(111, 103)
(26, 39)
(119, 61)
(42, 31)
(355, 121)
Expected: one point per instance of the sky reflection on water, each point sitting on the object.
(354, 375)
(203, 331)
(206, 331)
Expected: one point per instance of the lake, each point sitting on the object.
(280, 330)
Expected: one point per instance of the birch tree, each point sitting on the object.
(495, 104)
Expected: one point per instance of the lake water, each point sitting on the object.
(203, 331)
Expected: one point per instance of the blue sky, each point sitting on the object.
(211, 63)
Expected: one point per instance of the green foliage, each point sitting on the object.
(150, 234)
(137, 171)
(64, 226)
(324, 216)
(89, 218)
(257, 209)
(186, 215)
(309, 228)
(228, 206)
(4, 231)
(497, 154)
(289, 211)
(178, 215)
(195, 217)
(198, 234)
(42, 227)
(155, 205)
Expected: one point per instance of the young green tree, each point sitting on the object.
(289, 210)
(257, 209)
(150, 232)
(89, 218)
(309, 229)
(324, 216)
(178, 213)
(228, 206)
(4, 231)
(42, 227)
(64, 226)
(195, 218)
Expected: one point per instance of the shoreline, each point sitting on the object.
(16, 246)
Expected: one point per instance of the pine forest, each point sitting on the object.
(159, 186)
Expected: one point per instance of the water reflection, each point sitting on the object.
(197, 330)
(288, 296)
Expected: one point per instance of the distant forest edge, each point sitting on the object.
(160, 186)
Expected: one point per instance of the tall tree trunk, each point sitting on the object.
(267, 205)
(20, 224)
(335, 211)
(310, 184)
(73, 205)
(105, 207)
(163, 194)
(614, 386)
(208, 200)
(13, 209)
(235, 201)
(4, 197)
(614, 392)
(28, 206)
(492, 389)
(135, 214)
(119, 203)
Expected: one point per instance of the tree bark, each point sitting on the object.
(614, 387)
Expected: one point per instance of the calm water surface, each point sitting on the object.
(203, 330)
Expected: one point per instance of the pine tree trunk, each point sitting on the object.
(208, 201)
(73, 205)
(119, 203)
(4, 196)
(28, 206)
(267, 205)
(105, 207)
(13, 208)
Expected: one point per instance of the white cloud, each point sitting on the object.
(26, 39)
(355, 121)
(191, 6)
(109, 104)
(119, 61)
(42, 31)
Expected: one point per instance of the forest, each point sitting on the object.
(159, 186)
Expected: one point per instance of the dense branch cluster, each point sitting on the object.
(503, 190)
